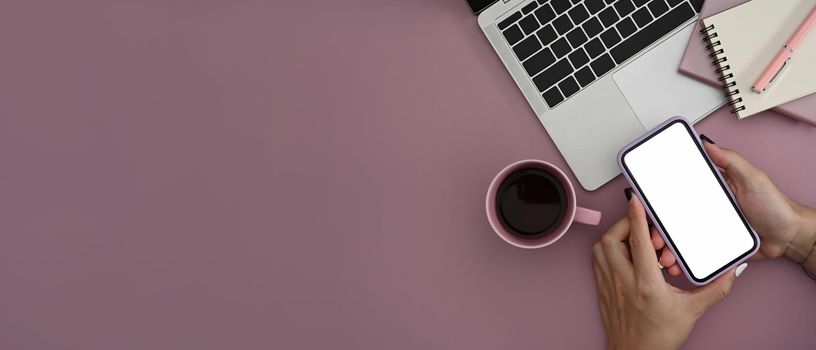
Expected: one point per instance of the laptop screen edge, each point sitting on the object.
(477, 6)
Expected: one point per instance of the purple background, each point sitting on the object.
(305, 175)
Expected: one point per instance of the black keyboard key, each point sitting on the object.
(584, 76)
(610, 37)
(652, 32)
(513, 35)
(560, 47)
(697, 5)
(642, 17)
(640, 3)
(609, 2)
(592, 27)
(602, 64)
(626, 27)
(553, 97)
(594, 47)
(552, 75)
(576, 37)
(539, 61)
(594, 5)
(542, 2)
(545, 14)
(578, 58)
(624, 7)
(673, 3)
(546, 35)
(529, 8)
(510, 20)
(562, 25)
(529, 24)
(658, 7)
(608, 17)
(578, 14)
(561, 5)
(568, 87)
(527, 47)
(575, 1)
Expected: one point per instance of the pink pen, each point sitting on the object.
(785, 54)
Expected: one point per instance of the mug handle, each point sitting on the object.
(587, 216)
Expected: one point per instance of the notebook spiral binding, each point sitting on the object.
(720, 61)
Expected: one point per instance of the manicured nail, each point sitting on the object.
(740, 269)
(628, 192)
(706, 139)
(659, 265)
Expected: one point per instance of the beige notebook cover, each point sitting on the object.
(745, 39)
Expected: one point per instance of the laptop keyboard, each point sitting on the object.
(565, 45)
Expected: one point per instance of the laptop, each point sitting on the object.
(598, 73)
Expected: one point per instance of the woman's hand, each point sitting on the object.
(785, 227)
(640, 310)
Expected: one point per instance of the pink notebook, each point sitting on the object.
(696, 63)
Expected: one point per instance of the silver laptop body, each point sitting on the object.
(593, 99)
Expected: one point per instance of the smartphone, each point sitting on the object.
(688, 201)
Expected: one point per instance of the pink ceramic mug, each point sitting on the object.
(574, 212)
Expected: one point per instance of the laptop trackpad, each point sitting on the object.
(656, 90)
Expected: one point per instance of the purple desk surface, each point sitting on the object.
(305, 175)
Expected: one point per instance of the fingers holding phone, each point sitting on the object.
(689, 202)
(638, 307)
(777, 219)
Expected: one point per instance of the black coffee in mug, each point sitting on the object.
(531, 203)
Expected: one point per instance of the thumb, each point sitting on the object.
(705, 297)
(737, 167)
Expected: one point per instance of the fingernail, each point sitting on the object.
(706, 139)
(659, 265)
(628, 192)
(740, 269)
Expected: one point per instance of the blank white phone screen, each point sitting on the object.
(688, 200)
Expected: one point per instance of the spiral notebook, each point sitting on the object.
(696, 63)
(745, 38)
